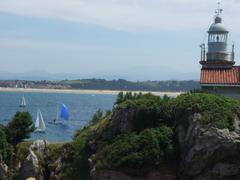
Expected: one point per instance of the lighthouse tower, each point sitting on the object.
(217, 55)
(219, 74)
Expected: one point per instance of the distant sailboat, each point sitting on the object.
(63, 116)
(56, 120)
(23, 103)
(39, 124)
(64, 112)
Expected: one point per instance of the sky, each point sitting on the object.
(135, 39)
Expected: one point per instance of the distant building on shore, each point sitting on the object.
(219, 73)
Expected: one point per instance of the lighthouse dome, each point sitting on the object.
(218, 26)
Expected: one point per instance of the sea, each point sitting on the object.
(81, 109)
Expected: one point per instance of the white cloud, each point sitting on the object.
(127, 15)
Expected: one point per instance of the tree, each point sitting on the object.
(107, 113)
(19, 128)
(5, 147)
(120, 98)
(97, 116)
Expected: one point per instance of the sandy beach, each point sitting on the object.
(83, 91)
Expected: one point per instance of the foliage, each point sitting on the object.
(23, 150)
(127, 96)
(151, 141)
(19, 128)
(5, 147)
(108, 113)
(77, 152)
(147, 149)
(150, 111)
(216, 110)
(98, 115)
(76, 159)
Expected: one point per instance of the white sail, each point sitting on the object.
(23, 103)
(37, 120)
(40, 124)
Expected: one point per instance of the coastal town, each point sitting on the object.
(33, 84)
(102, 84)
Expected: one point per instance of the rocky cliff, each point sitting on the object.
(192, 137)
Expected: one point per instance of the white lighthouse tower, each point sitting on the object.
(217, 55)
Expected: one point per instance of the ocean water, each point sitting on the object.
(81, 107)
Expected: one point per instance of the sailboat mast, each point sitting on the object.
(57, 114)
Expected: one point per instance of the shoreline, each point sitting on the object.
(85, 91)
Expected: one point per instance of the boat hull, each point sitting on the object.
(56, 122)
(40, 131)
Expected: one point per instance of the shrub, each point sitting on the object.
(19, 128)
(150, 111)
(147, 149)
(5, 147)
(127, 96)
(216, 110)
(98, 115)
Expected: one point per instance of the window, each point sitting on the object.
(217, 38)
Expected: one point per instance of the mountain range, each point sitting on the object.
(132, 74)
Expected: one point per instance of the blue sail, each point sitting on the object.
(64, 112)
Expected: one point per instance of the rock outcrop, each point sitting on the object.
(31, 167)
(207, 152)
(3, 169)
(114, 175)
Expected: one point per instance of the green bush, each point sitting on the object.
(5, 147)
(19, 128)
(121, 97)
(147, 149)
(150, 111)
(216, 110)
(98, 115)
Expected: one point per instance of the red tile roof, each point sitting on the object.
(221, 76)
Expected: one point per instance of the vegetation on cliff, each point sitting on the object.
(150, 141)
(20, 127)
(147, 149)
(217, 111)
(16, 131)
(5, 147)
(137, 136)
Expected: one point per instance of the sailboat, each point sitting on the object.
(39, 124)
(23, 103)
(63, 116)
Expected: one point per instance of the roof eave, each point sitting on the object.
(220, 85)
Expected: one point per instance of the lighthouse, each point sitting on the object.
(218, 72)
(217, 55)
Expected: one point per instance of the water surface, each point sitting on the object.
(81, 106)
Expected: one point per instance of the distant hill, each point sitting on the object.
(102, 84)
(131, 74)
(122, 84)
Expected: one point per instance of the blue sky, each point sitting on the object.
(158, 39)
